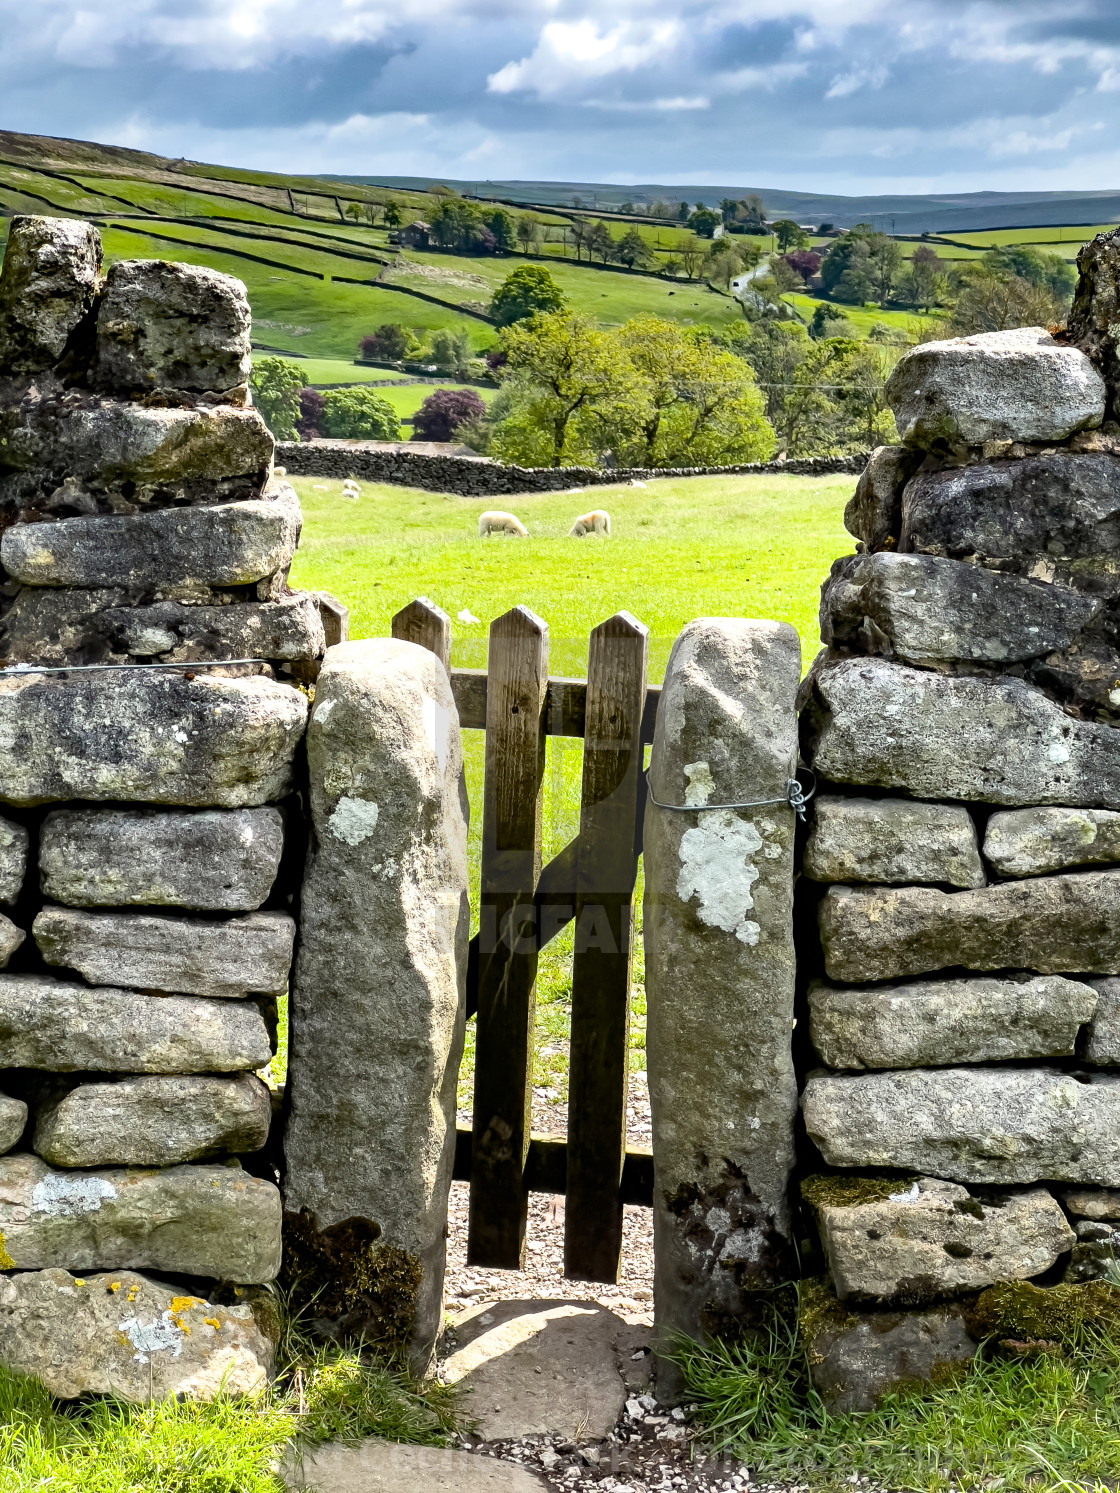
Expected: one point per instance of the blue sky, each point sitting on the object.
(827, 95)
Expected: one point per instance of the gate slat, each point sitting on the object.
(511, 861)
(606, 874)
(421, 621)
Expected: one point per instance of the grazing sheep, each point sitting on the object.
(595, 522)
(279, 471)
(493, 521)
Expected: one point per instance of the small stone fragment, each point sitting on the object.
(10, 939)
(931, 1023)
(1019, 385)
(932, 1239)
(124, 1335)
(855, 1358)
(1050, 924)
(13, 1120)
(1091, 1202)
(1034, 842)
(935, 736)
(158, 737)
(13, 859)
(988, 1125)
(193, 1220)
(222, 959)
(931, 611)
(69, 1028)
(47, 287)
(219, 860)
(233, 544)
(892, 840)
(163, 325)
(154, 1121)
(1100, 1042)
(873, 513)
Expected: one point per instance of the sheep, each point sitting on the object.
(596, 522)
(493, 521)
(279, 471)
(351, 490)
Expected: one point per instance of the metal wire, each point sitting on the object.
(795, 796)
(214, 663)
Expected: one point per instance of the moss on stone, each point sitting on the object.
(1018, 1311)
(818, 1310)
(850, 1190)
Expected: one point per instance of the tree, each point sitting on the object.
(691, 253)
(440, 414)
(924, 282)
(388, 344)
(600, 242)
(500, 223)
(861, 265)
(723, 262)
(580, 229)
(804, 262)
(371, 210)
(991, 302)
(392, 215)
(633, 251)
(784, 276)
(682, 212)
(276, 384)
(529, 232)
(1036, 266)
(885, 256)
(358, 414)
(451, 349)
(827, 321)
(789, 234)
(310, 413)
(529, 288)
(703, 221)
(354, 210)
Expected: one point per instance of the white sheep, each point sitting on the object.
(279, 471)
(493, 521)
(598, 521)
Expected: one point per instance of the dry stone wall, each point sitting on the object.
(961, 876)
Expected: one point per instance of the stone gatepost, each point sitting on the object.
(720, 975)
(378, 998)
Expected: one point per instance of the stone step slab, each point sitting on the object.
(1053, 517)
(208, 1220)
(100, 625)
(124, 1335)
(386, 1467)
(1018, 385)
(1050, 924)
(997, 740)
(931, 1023)
(1035, 842)
(222, 959)
(48, 284)
(930, 611)
(931, 1239)
(156, 1121)
(13, 1121)
(212, 860)
(14, 841)
(1005, 1126)
(162, 325)
(69, 1028)
(891, 840)
(154, 736)
(230, 544)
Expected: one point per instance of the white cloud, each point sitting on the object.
(572, 52)
(859, 77)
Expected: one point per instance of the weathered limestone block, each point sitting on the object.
(378, 998)
(233, 544)
(153, 1121)
(1050, 924)
(892, 840)
(930, 611)
(1100, 1043)
(13, 859)
(997, 386)
(157, 737)
(1095, 1202)
(68, 1028)
(931, 1023)
(873, 513)
(171, 326)
(998, 1125)
(1051, 517)
(1034, 842)
(124, 1335)
(47, 287)
(855, 1358)
(220, 860)
(931, 1239)
(195, 1220)
(53, 627)
(223, 959)
(10, 939)
(720, 973)
(935, 736)
(13, 1119)
(91, 452)
(1096, 307)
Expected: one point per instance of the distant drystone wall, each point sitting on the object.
(480, 477)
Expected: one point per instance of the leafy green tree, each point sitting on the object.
(529, 288)
(923, 283)
(392, 215)
(1038, 267)
(600, 242)
(530, 232)
(354, 210)
(850, 256)
(885, 258)
(633, 251)
(276, 386)
(789, 235)
(501, 225)
(827, 321)
(691, 252)
(991, 302)
(454, 223)
(358, 414)
(703, 221)
(451, 349)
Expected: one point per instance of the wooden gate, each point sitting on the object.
(524, 905)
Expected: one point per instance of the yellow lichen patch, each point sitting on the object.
(133, 1292)
(113, 1286)
(78, 1282)
(6, 1261)
(213, 1322)
(184, 1303)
